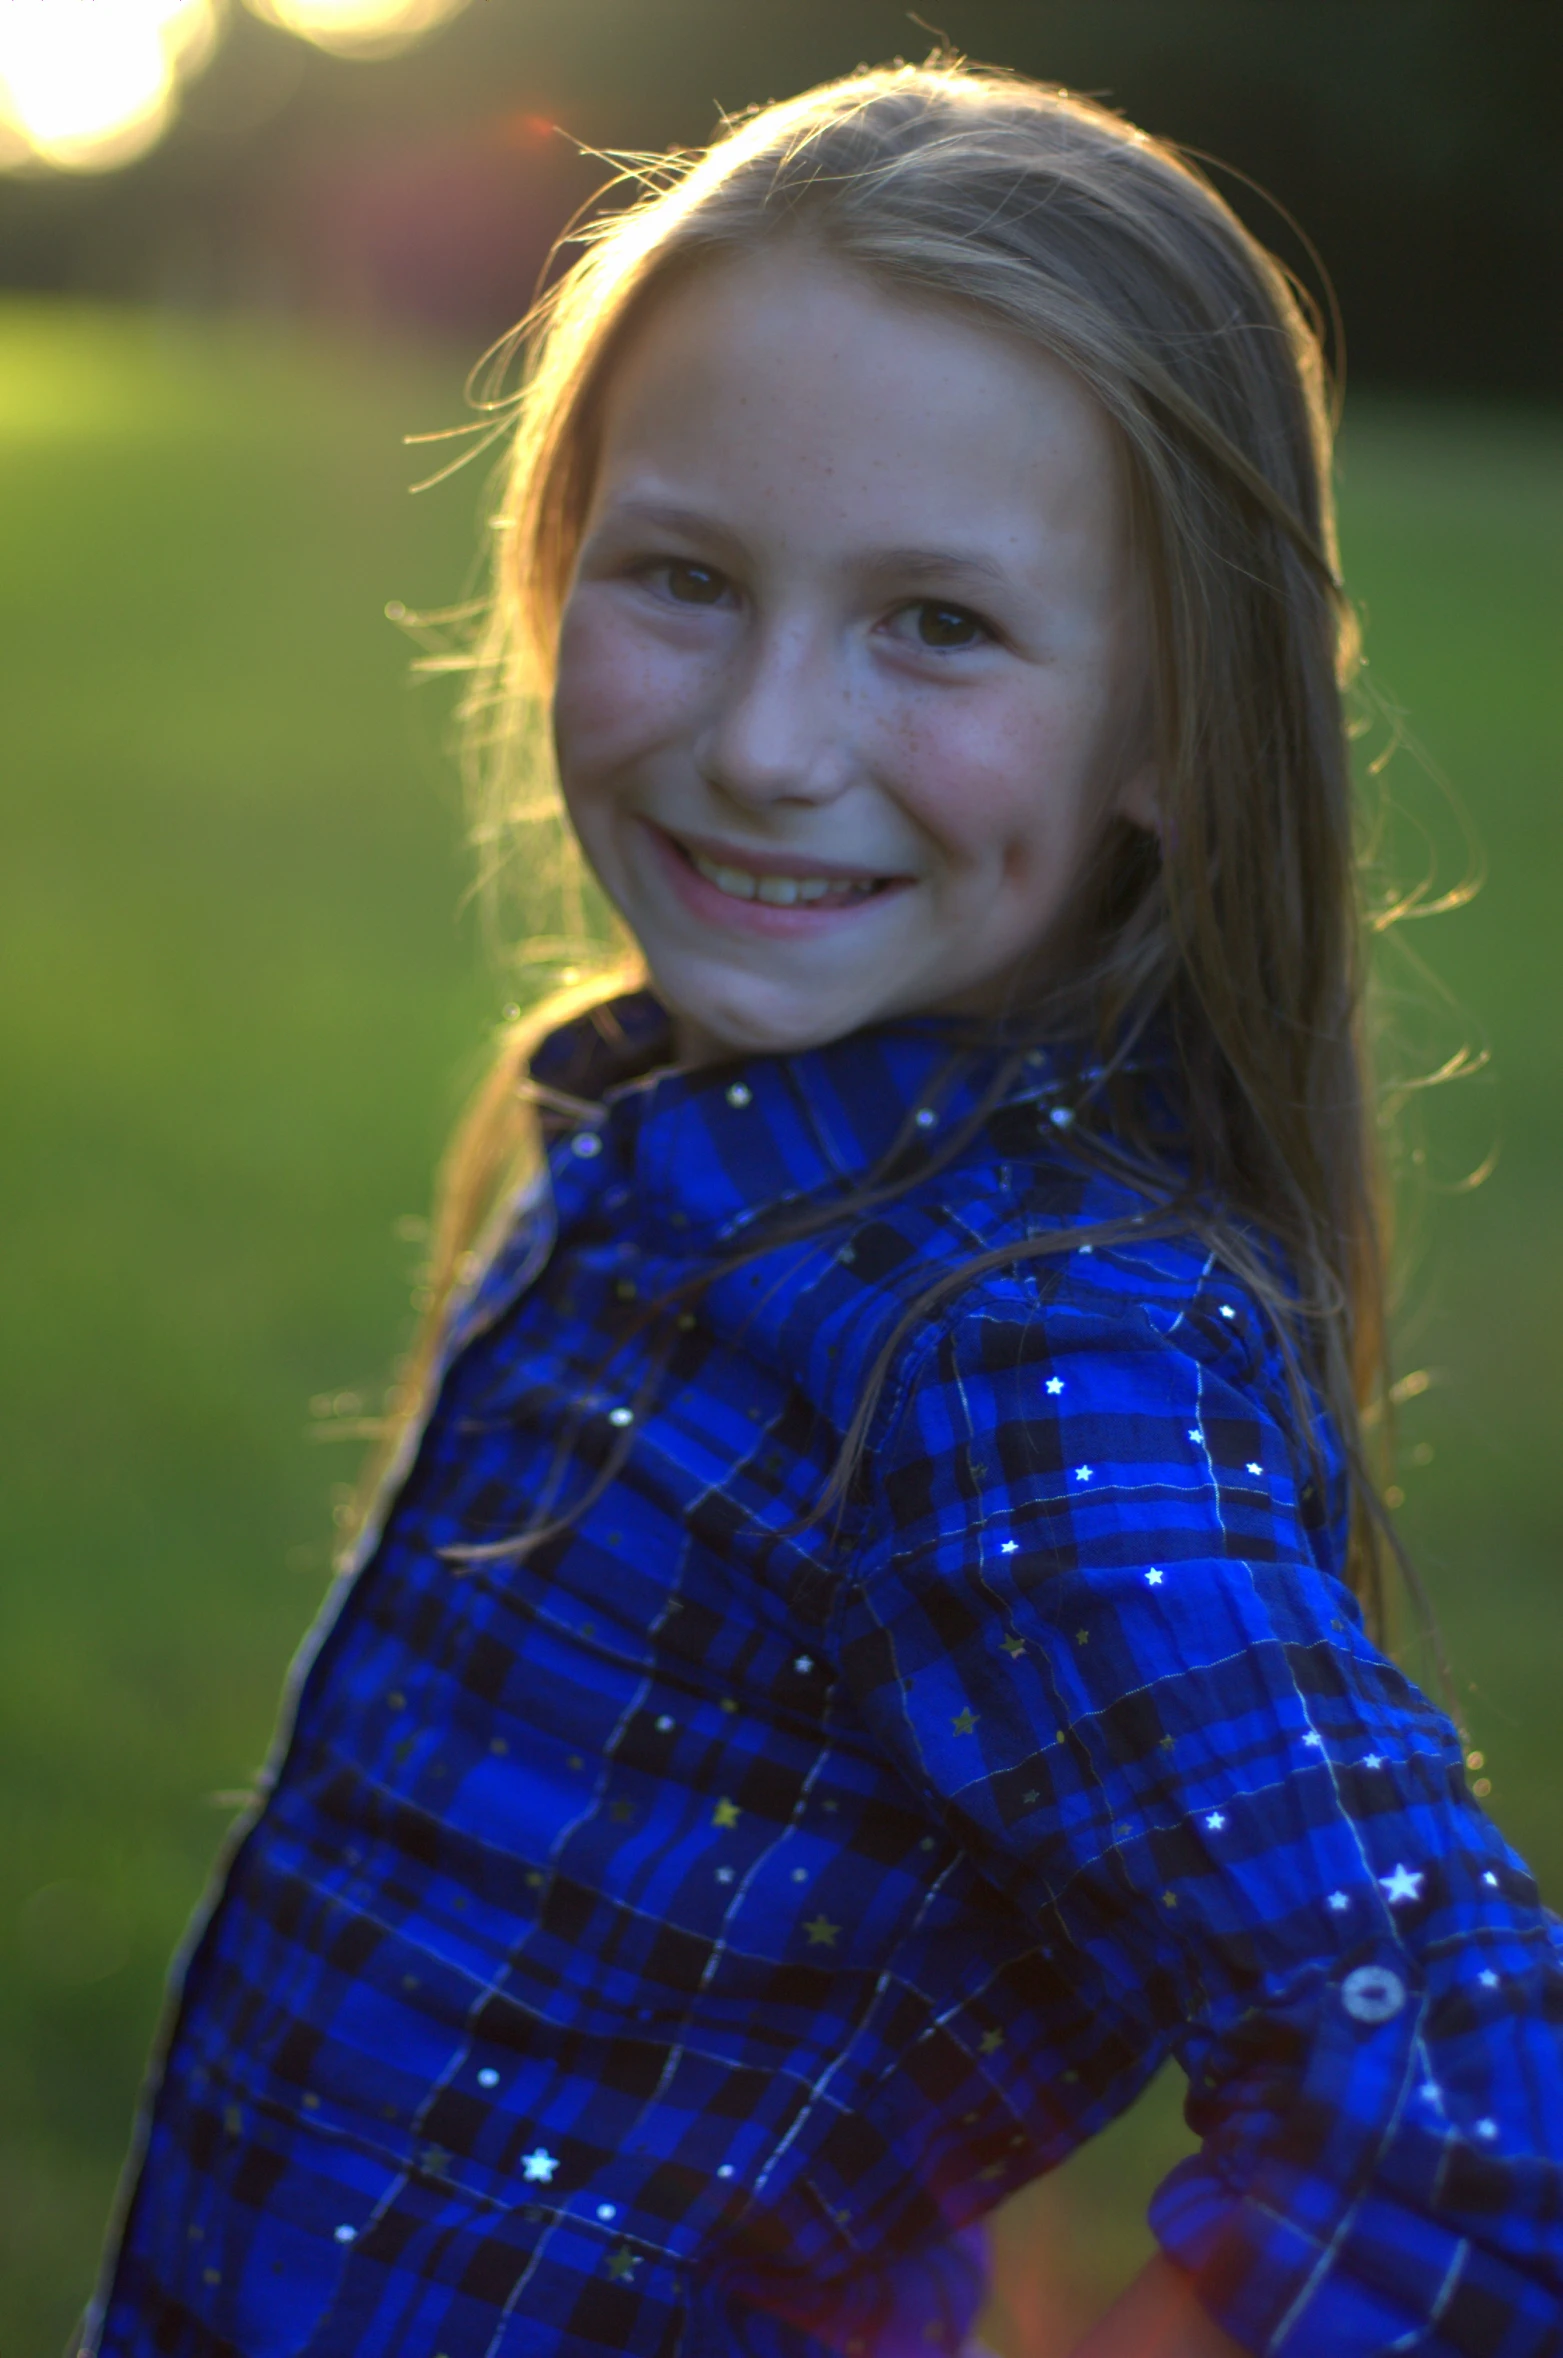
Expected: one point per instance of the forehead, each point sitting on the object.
(790, 385)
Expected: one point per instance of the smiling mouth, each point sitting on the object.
(801, 890)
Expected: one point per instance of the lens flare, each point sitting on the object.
(358, 28)
(89, 84)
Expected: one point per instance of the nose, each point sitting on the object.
(780, 727)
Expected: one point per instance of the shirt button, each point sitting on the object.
(1372, 1993)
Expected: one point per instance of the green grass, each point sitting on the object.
(243, 1004)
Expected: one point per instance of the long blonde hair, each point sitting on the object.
(1052, 219)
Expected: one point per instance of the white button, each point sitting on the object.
(1372, 1993)
(586, 1143)
(738, 1094)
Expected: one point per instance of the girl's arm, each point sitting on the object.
(1158, 2317)
(1099, 1630)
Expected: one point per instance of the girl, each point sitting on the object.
(861, 1653)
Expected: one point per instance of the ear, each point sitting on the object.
(1138, 798)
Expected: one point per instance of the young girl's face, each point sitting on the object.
(852, 671)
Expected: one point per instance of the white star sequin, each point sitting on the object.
(345, 2234)
(1082, 1473)
(1486, 2128)
(803, 1662)
(1215, 1820)
(1227, 1310)
(663, 1724)
(724, 1874)
(1011, 1547)
(488, 2077)
(1153, 1577)
(1314, 1741)
(539, 2166)
(1373, 1760)
(1488, 1980)
(1196, 1436)
(1055, 1384)
(1489, 1877)
(1337, 1900)
(1253, 1469)
(1431, 2093)
(1401, 1884)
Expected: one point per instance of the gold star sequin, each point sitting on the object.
(622, 2264)
(621, 1812)
(990, 2042)
(822, 1933)
(725, 1813)
(964, 1722)
(1014, 1644)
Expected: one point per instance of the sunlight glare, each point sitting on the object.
(358, 28)
(89, 84)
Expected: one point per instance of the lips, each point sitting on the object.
(769, 892)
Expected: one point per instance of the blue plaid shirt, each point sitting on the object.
(674, 1940)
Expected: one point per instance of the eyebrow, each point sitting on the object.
(910, 565)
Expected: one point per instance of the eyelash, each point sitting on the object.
(663, 568)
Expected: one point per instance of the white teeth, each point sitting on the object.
(781, 892)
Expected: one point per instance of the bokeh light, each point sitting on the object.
(358, 28)
(89, 84)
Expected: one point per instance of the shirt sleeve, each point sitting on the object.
(1099, 1631)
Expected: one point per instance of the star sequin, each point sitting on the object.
(1083, 1473)
(1489, 1877)
(803, 1662)
(1253, 1469)
(1337, 1900)
(1014, 1645)
(1196, 1436)
(725, 1813)
(1011, 1547)
(822, 1933)
(1373, 1760)
(724, 1874)
(1488, 1980)
(538, 2167)
(990, 2042)
(1055, 1385)
(1215, 1819)
(1401, 1885)
(964, 1722)
(1487, 2128)
(1153, 1578)
(622, 2264)
(1431, 2093)
(1314, 1741)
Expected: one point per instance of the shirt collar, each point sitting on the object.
(705, 1151)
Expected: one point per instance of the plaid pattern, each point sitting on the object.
(674, 1942)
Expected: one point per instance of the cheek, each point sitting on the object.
(991, 779)
(616, 692)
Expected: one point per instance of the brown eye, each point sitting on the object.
(693, 585)
(947, 626)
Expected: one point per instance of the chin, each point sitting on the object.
(742, 1023)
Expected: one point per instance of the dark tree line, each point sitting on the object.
(1415, 141)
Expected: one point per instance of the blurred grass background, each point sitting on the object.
(243, 1006)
